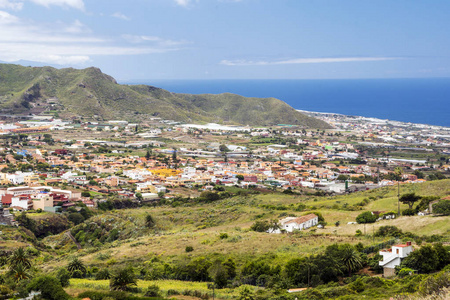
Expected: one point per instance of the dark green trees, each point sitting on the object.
(366, 217)
(409, 199)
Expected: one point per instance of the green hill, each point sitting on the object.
(89, 93)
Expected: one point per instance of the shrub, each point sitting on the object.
(260, 226)
(77, 274)
(405, 272)
(63, 277)
(366, 217)
(408, 212)
(389, 231)
(103, 274)
(49, 287)
(152, 291)
(171, 292)
(223, 236)
(442, 207)
(123, 280)
(189, 249)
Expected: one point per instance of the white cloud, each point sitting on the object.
(8, 4)
(69, 44)
(304, 61)
(78, 4)
(121, 16)
(141, 39)
(6, 18)
(183, 3)
(77, 27)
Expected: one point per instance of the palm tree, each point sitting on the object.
(76, 264)
(19, 257)
(123, 280)
(19, 272)
(351, 259)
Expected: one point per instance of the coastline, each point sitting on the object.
(379, 121)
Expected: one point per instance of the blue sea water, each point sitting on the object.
(425, 101)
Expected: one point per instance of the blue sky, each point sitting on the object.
(231, 39)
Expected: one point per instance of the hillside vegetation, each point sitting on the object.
(181, 245)
(89, 93)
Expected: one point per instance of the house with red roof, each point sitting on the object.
(290, 224)
(393, 257)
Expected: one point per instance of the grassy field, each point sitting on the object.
(77, 285)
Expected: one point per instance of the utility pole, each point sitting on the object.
(398, 197)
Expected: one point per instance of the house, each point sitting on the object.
(290, 224)
(393, 258)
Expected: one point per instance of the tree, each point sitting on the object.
(342, 177)
(409, 199)
(123, 280)
(85, 194)
(260, 226)
(224, 148)
(138, 196)
(366, 217)
(63, 277)
(424, 260)
(19, 257)
(19, 272)
(351, 259)
(76, 265)
(49, 287)
(76, 218)
(219, 274)
(147, 155)
(442, 207)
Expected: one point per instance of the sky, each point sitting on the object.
(231, 39)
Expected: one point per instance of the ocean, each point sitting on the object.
(424, 101)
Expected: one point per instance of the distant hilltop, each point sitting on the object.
(91, 94)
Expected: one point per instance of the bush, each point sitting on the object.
(189, 249)
(405, 272)
(49, 287)
(63, 277)
(408, 212)
(389, 231)
(172, 292)
(366, 217)
(152, 291)
(77, 274)
(223, 236)
(260, 226)
(103, 274)
(442, 207)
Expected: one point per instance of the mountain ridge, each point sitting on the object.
(91, 94)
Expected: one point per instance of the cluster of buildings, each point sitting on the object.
(315, 159)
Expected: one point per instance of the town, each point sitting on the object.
(49, 164)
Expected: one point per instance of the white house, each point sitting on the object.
(393, 257)
(22, 202)
(290, 224)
